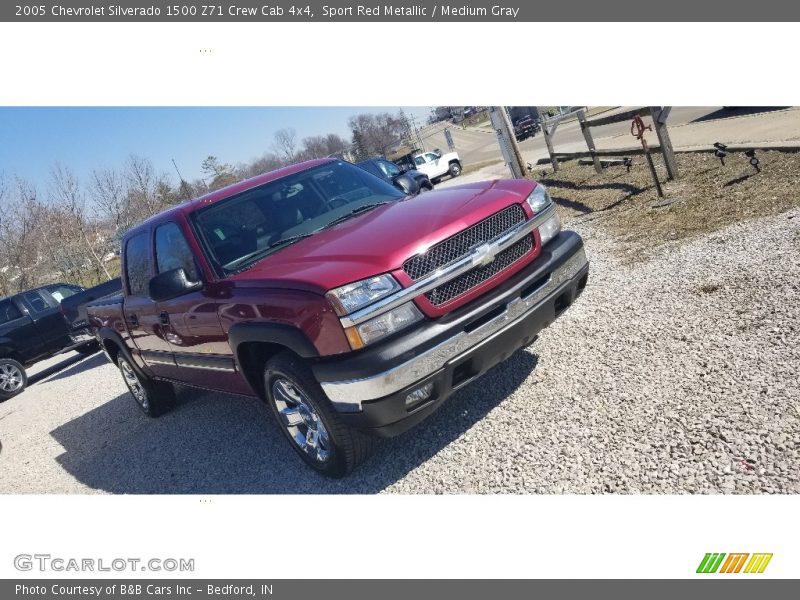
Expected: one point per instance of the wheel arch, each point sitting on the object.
(7, 351)
(253, 344)
(113, 345)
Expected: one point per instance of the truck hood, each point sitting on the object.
(380, 241)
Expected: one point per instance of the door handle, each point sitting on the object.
(164, 318)
(133, 320)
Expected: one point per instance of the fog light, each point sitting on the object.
(419, 395)
(550, 228)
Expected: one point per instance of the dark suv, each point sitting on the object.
(402, 180)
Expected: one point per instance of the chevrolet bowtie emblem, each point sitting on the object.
(484, 255)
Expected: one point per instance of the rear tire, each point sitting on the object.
(308, 420)
(13, 378)
(154, 397)
(455, 169)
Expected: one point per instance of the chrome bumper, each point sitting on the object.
(348, 395)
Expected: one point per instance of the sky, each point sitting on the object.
(33, 139)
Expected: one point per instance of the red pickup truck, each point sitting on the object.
(352, 309)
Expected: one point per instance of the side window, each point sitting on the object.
(391, 169)
(59, 292)
(419, 160)
(36, 301)
(430, 156)
(8, 312)
(172, 251)
(371, 168)
(137, 264)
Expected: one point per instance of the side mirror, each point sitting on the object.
(171, 284)
(407, 184)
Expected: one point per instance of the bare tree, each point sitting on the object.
(286, 144)
(65, 193)
(268, 162)
(142, 186)
(20, 236)
(314, 147)
(336, 144)
(109, 193)
(376, 133)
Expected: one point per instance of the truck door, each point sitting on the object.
(192, 328)
(50, 325)
(435, 168)
(19, 337)
(146, 327)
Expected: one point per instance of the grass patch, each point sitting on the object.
(707, 197)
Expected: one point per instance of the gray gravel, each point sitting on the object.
(677, 375)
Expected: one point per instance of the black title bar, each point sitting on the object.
(741, 588)
(343, 11)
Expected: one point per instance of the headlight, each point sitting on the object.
(539, 199)
(382, 325)
(550, 228)
(353, 296)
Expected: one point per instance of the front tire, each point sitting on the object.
(154, 397)
(309, 421)
(455, 169)
(13, 378)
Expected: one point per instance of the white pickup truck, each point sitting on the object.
(436, 165)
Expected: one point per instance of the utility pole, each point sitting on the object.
(508, 141)
(416, 132)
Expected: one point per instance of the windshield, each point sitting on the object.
(238, 231)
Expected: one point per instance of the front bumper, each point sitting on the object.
(369, 388)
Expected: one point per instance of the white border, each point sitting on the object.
(460, 536)
(407, 536)
(303, 64)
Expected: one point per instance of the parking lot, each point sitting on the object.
(673, 375)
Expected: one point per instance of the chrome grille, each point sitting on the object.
(460, 244)
(467, 281)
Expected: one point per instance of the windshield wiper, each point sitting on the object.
(264, 251)
(291, 239)
(353, 213)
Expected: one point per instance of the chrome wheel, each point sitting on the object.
(301, 421)
(134, 385)
(10, 378)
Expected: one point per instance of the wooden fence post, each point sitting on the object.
(587, 135)
(549, 142)
(660, 114)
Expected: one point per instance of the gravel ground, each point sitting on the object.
(678, 374)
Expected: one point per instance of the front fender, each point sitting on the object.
(271, 333)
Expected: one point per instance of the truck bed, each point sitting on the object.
(74, 307)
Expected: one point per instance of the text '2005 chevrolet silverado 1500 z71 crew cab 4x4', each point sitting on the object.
(351, 309)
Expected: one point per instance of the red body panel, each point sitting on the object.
(288, 286)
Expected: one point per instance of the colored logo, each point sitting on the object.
(719, 562)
